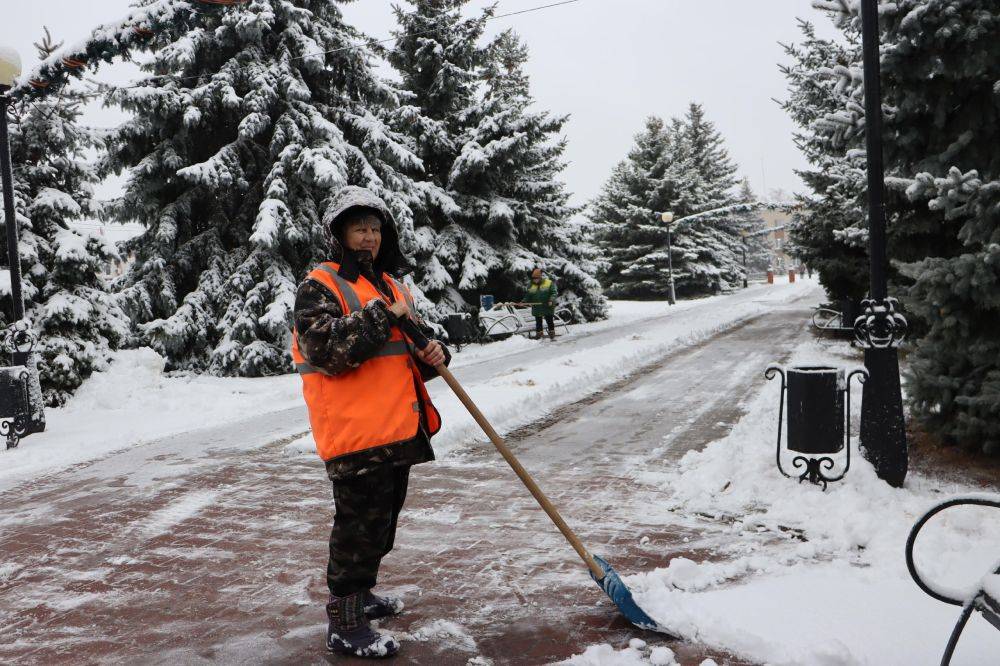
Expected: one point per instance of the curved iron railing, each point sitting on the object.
(976, 601)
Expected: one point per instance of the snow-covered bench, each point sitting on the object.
(983, 597)
(838, 317)
(508, 319)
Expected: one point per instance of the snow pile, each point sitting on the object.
(443, 631)
(619, 313)
(991, 584)
(836, 585)
(638, 653)
(304, 445)
(134, 401)
(488, 352)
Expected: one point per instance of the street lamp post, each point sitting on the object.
(880, 329)
(21, 408)
(667, 218)
(743, 234)
(10, 69)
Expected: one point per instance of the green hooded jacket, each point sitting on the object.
(542, 298)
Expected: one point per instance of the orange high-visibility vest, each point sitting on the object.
(379, 402)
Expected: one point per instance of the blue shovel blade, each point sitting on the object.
(619, 593)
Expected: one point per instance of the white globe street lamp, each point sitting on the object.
(10, 66)
(21, 408)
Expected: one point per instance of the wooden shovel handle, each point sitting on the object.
(413, 332)
(522, 473)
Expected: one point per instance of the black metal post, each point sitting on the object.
(10, 219)
(879, 329)
(745, 284)
(670, 267)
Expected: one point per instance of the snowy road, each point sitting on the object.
(206, 547)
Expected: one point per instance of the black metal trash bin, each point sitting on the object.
(22, 408)
(14, 403)
(815, 409)
(460, 328)
(819, 415)
(36, 403)
(13, 391)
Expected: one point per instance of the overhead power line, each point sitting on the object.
(429, 30)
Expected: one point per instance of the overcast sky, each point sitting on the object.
(606, 63)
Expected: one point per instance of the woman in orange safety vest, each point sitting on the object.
(371, 415)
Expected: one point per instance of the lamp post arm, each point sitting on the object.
(738, 208)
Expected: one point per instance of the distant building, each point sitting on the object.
(115, 234)
(117, 267)
(779, 222)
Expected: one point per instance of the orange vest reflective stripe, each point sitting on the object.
(376, 404)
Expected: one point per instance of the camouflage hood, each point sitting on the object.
(390, 259)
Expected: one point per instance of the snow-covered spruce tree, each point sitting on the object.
(704, 175)
(704, 148)
(830, 233)
(828, 102)
(941, 65)
(492, 206)
(438, 58)
(506, 182)
(75, 319)
(683, 168)
(248, 119)
(631, 243)
(758, 250)
(939, 68)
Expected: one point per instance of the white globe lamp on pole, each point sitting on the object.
(21, 408)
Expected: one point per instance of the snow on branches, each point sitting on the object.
(76, 321)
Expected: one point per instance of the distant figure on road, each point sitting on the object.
(370, 412)
(542, 297)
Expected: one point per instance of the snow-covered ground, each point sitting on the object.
(134, 402)
(515, 381)
(826, 584)
(840, 593)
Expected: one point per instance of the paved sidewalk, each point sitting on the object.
(224, 563)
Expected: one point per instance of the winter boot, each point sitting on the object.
(552, 334)
(378, 607)
(350, 633)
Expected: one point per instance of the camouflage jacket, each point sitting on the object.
(336, 344)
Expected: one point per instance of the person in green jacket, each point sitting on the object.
(542, 297)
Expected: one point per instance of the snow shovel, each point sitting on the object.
(602, 572)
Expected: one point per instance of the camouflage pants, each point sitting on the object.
(364, 527)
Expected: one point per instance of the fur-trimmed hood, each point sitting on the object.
(390, 259)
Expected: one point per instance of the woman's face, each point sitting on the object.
(364, 234)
